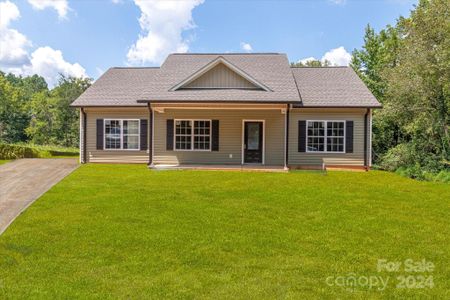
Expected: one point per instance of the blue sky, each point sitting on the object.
(85, 38)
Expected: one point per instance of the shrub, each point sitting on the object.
(397, 157)
(406, 161)
(442, 176)
(15, 151)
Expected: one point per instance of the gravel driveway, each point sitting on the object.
(23, 181)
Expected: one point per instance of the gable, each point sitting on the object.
(220, 76)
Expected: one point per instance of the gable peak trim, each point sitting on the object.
(209, 66)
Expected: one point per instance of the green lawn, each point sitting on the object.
(4, 161)
(122, 231)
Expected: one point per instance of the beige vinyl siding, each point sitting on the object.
(113, 156)
(220, 76)
(230, 136)
(317, 159)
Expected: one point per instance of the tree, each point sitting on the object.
(312, 63)
(378, 54)
(407, 67)
(41, 128)
(66, 118)
(13, 115)
(29, 85)
(418, 87)
(53, 121)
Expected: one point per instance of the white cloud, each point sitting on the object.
(49, 63)
(163, 23)
(338, 56)
(307, 59)
(116, 1)
(13, 44)
(246, 47)
(15, 58)
(8, 12)
(61, 6)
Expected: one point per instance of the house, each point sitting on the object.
(228, 109)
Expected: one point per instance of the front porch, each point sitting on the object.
(219, 137)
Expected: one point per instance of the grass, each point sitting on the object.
(4, 161)
(122, 231)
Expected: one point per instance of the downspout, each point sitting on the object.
(365, 139)
(286, 149)
(150, 135)
(84, 134)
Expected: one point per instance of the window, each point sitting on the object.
(335, 136)
(183, 135)
(130, 134)
(193, 135)
(316, 136)
(112, 134)
(201, 135)
(325, 136)
(122, 134)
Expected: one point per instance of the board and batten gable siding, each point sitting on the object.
(113, 156)
(220, 76)
(309, 159)
(230, 136)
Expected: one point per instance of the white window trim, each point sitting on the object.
(192, 135)
(326, 135)
(121, 134)
(243, 141)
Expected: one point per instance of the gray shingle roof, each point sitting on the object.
(118, 87)
(337, 87)
(332, 87)
(270, 69)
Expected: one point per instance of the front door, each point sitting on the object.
(253, 142)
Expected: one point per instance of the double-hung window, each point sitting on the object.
(121, 134)
(193, 135)
(325, 136)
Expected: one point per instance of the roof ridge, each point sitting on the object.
(230, 53)
(134, 67)
(322, 67)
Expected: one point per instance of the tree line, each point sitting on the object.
(407, 68)
(30, 112)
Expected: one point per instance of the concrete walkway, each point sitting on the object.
(23, 181)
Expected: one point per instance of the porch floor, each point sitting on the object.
(253, 168)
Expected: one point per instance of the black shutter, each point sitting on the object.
(99, 134)
(169, 134)
(215, 135)
(301, 136)
(349, 136)
(143, 134)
